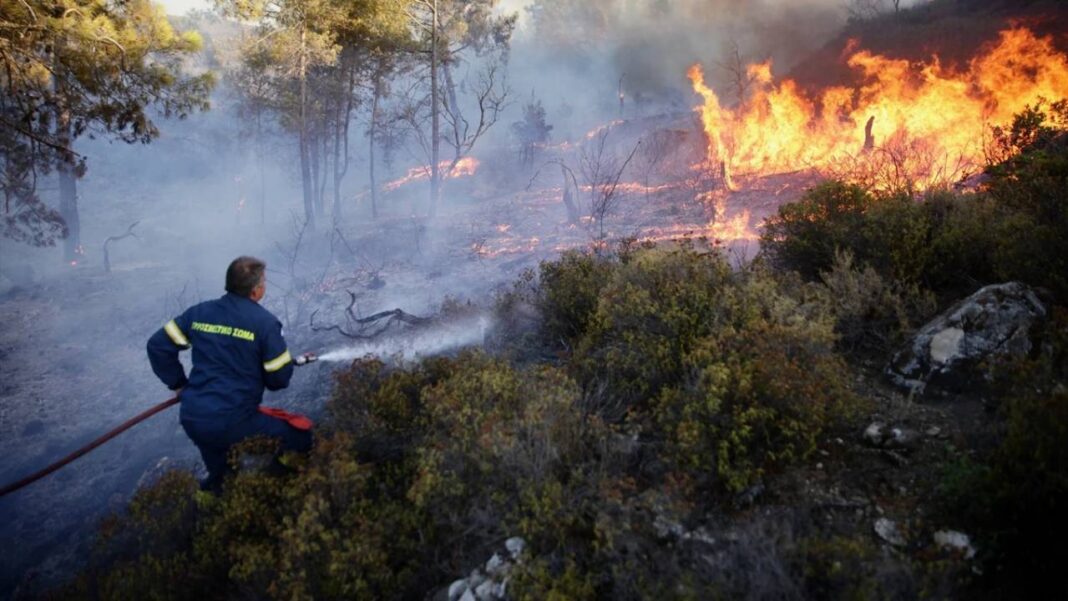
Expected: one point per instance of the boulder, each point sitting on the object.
(888, 531)
(883, 436)
(492, 584)
(955, 541)
(952, 353)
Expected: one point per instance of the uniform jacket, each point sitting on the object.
(238, 350)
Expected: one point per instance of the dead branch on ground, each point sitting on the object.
(129, 233)
(370, 327)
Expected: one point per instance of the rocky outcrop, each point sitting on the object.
(953, 351)
(490, 582)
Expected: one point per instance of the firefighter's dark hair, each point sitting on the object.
(244, 274)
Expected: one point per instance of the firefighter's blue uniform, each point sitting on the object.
(238, 350)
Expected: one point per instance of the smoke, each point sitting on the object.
(468, 331)
(574, 54)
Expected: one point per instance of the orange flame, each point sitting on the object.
(928, 120)
(465, 167)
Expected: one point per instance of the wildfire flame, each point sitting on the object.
(934, 115)
(465, 167)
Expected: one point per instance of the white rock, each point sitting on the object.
(495, 564)
(486, 590)
(515, 546)
(945, 345)
(901, 438)
(476, 578)
(951, 539)
(873, 434)
(457, 588)
(934, 431)
(953, 352)
(887, 530)
(468, 596)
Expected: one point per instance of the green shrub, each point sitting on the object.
(871, 313)
(570, 290)
(755, 396)
(647, 317)
(950, 244)
(803, 236)
(145, 553)
(698, 352)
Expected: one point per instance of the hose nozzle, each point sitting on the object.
(306, 358)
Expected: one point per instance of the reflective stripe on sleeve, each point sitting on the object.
(278, 362)
(175, 334)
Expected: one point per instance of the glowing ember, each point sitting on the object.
(593, 133)
(511, 247)
(465, 167)
(925, 122)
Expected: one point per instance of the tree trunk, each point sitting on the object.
(68, 187)
(371, 137)
(67, 170)
(260, 159)
(337, 173)
(305, 163)
(450, 86)
(68, 208)
(341, 139)
(435, 117)
(318, 168)
(324, 137)
(573, 215)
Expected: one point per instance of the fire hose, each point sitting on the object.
(124, 426)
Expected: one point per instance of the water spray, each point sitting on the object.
(440, 338)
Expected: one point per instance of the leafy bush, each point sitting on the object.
(805, 235)
(757, 393)
(870, 312)
(570, 289)
(652, 310)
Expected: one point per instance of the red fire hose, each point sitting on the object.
(126, 425)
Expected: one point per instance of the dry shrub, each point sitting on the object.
(872, 314)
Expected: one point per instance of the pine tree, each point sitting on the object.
(68, 67)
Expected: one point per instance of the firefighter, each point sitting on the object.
(238, 350)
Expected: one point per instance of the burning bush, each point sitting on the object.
(1016, 229)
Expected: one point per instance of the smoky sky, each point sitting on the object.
(578, 51)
